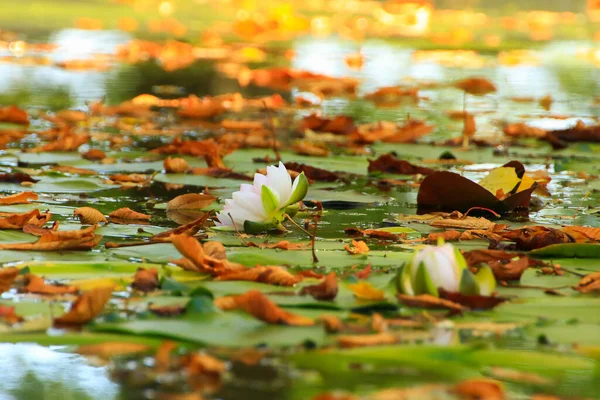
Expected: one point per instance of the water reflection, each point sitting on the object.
(31, 371)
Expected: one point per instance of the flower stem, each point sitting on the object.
(236, 230)
(311, 235)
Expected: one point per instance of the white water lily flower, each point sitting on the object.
(265, 201)
(442, 267)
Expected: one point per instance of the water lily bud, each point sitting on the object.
(431, 268)
(261, 206)
(443, 266)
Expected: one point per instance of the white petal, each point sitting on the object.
(280, 181)
(250, 202)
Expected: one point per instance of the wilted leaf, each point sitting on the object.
(145, 280)
(340, 125)
(84, 239)
(259, 306)
(89, 215)
(36, 284)
(17, 177)
(7, 277)
(357, 247)
(475, 389)
(86, 307)
(366, 291)
(374, 233)
(265, 274)
(128, 214)
(535, 237)
(375, 339)
(589, 283)
(428, 301)
(326, 290)
(18, 221)
(175, 165)
(18, 198)
(14, 115)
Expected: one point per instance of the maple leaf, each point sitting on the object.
(326, 290)
(86, 307)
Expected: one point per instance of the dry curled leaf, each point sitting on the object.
(375, 339)
(175, 165)
(326, 290)
(35, 284)
(18, 198)
(265, 274)
(146, 280)
(89, 215)
(374, 233)
(259, 306)
(589, 283)
(128, 214)
(357, 247)
(366, 291)
(19, 220)
(86, 307)
(83, 239)
(94, 155)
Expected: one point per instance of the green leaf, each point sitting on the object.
(468, 284)
(269, 199)
(403, 283)
(300, 190)
(568, 250)
(485, 280)
(254, 228)
(423, 283)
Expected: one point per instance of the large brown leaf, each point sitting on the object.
(86, 307)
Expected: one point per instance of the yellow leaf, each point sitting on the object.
(364, 290)
(526, 183)
(88, 284)
(502, 178)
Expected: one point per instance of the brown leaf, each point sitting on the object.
(94, 155)
(511, 270)
(128, 214)
(209, 259)
(259, 306)
(375, 339)
(191, 201)
(86, 307)
(130, 178)
(474, 302)
(535, 237)
(308, 149)
(67, 169)
(265, 274)
(108, 350)
(36, 284)
(175, 165)
(203, 364)
(589, 234)
(18, 198)
(84, 239)
(475, 389)
(146, 280)
(89, 215)
(171, 310)
(476, 86)
(331, 323)
(589, 283)
(428, 301)
(390, 164)
(357, 247)
(326, 290)
(313, 173)
(7, 277)
(374, 233)
(339, 125)
(390, 132)
(17, 177)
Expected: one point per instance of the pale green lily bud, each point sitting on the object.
(442, 266)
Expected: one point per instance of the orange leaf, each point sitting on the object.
(326, 290)
(591, 234)
(476, 86)
(94, 155)
(86, 307)
(14, 114)
(36, 284)
(357, 247)
(7, 277)
(376, 339)
(108, 350)
(270, 275)
(428, 301)
(89, 215)
(128, 214)
(191, 201)
(589, 283)
(84, 239)
(18, 198)
(259, 306)
(364, 290)
(472, 389)
(18, 221)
